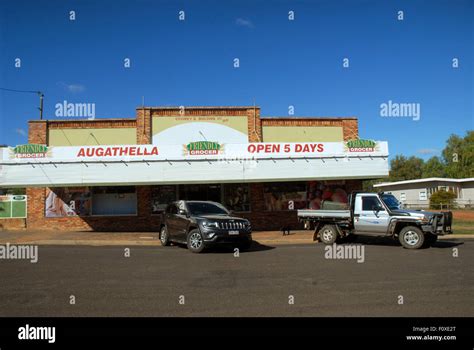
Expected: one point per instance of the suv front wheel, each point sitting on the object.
(195, 241)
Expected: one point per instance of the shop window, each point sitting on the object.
(327, 195)
(109, 201)
(161, 196)
(67, 201)
(285, 196)
(237, 197)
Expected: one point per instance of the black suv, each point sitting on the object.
(201, 224)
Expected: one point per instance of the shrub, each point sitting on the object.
(441, 199)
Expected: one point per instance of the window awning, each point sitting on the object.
(148, 164)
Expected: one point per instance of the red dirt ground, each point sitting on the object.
(463, 214)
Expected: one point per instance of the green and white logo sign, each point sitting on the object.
(30, 151)
(359, 145)
(199, 148)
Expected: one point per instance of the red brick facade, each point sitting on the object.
(349, 125)
(144, 220)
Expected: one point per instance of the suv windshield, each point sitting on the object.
(203, 208)
(390, 201)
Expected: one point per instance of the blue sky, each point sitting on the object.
(282, 62)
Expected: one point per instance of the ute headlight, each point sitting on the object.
(424, 219)
(210, 224)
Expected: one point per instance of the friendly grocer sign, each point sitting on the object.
(200, 148)
(359, 145)
(30, 151)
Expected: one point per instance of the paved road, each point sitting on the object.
(258, 283)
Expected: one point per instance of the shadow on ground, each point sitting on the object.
(226, 249)
(388, 241)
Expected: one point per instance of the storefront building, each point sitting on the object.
(119, 174)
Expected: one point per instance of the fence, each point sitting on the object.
(457, 204)
(13, 206)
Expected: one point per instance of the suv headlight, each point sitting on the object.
(210, 224)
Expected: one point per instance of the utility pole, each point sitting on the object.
(41, 96)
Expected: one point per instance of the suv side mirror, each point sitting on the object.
(182, 212)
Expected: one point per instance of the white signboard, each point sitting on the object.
(193, 150)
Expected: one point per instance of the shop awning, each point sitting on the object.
(180, 164)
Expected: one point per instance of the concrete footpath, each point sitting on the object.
(142, 238)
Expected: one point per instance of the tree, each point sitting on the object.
(433, 167)
(458, 156)
(368, 185)
(441, 199)
(403, 168)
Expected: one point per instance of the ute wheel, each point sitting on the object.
(164, 237)
(411, 237)
(328, 234)
(195, 241)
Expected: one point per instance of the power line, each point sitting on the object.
(25, 91)
(41, 96)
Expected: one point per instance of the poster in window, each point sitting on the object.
(161, 196)
(285, 196)
(236, 197)
(67, 201)
(327, 195)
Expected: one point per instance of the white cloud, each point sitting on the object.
(72, 88)
(20, 131)
(242, 22)
(428, 151)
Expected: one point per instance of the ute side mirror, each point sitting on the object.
(377, 209)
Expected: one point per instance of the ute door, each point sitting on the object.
(370, 216)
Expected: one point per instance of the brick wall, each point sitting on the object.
(38, 131)
(12, 224)
(262, 219)
(109, 123)
(252, 114)
(350, 129)
(144, 221)
(349, 125)
(144, 121)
